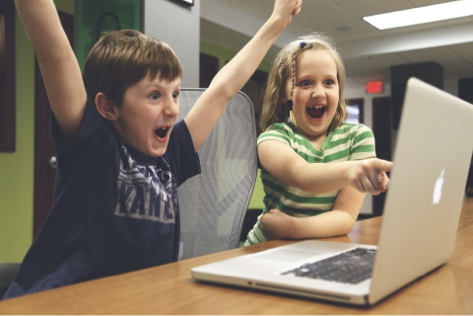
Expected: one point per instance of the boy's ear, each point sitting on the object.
(106, 107)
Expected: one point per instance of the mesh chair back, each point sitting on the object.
(213, 204)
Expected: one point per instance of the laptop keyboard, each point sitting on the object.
(352, 267)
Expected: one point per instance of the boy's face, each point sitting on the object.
(148, 114)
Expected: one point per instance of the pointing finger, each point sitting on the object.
(384, 165)
(384, 182)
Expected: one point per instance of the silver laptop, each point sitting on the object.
(419, 224)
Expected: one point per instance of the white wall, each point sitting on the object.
(179, 26)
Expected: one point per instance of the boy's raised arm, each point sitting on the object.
(59, 67)
(231, 78)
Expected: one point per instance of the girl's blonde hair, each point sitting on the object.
(284, 68)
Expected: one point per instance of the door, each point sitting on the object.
(382, 116)
(44, 152)
(208, 69)
(254, 88)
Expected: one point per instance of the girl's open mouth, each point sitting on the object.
(317, 111)
(162, 132)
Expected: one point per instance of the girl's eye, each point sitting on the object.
(154, 96)
(305, 83)
(329, 82)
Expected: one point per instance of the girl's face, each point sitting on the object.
(316, 93)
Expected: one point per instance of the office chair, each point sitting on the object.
(8, 272)
(214, 203)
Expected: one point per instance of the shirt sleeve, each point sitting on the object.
(180, 154)
(277, 131)
(363, 144)
(93, 139)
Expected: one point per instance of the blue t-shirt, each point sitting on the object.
(115, 210)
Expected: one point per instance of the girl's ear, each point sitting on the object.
(106, 107)
(284, 93)
(283, 98)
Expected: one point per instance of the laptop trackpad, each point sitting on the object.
(286, 255)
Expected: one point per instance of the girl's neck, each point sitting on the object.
(317, 142)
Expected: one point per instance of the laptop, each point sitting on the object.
(419, 223)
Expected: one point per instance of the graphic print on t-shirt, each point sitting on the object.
(145, 192)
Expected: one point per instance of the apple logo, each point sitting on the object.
(438, 188)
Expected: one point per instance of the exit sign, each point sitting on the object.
(374, 87)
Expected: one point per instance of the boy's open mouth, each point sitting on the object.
(161, 132)
(317, 111)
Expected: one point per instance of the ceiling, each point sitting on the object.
(368, 53)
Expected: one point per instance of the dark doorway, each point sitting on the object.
(45, 153)
(382, 116)
(465, 92)
(254, 88)
(7, 76)
(208, 68)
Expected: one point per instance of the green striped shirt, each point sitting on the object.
(347, 142)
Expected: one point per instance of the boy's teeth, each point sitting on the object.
(161, 132)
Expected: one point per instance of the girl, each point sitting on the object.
(306, 194)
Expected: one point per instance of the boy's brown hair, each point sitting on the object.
(121, 59)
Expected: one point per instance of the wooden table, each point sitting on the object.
(169, 289)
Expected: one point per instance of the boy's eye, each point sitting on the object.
(175, 95)
(154, 96)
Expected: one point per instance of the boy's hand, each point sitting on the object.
(286, 9)
(369, 175)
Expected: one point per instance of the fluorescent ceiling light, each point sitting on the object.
(432, 13)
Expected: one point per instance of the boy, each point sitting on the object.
(121, 155)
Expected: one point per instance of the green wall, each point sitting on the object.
(256, 201)
(17, 168)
